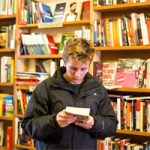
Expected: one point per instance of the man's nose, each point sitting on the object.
(77, 73)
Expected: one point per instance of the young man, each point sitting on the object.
(46, 119)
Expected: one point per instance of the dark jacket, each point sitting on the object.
(53, 95)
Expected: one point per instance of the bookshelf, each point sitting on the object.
(105, 53)
(7, 87)
(112, 53)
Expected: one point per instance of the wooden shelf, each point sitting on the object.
(7, 17)
(138, 90)
(122, 7)
(123, 48)
(6, 84)
(19, 115)
(24, 147)
(64, 24)
(138, 133)
(6, 118)
(6, 50)
(3, 148)
(39, 56)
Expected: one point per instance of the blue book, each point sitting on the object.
(46, 12)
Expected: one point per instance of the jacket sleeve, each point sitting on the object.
(105, 119)
(37, 121)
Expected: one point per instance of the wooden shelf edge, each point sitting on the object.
(19, 115)
(40, 56)
(7, 17)
(8, 118)
(123, 48)
(138, 133)
(5, 50)
(6, 84)
(64, 24)
(139, 90)
(118, 7)
(24, 147)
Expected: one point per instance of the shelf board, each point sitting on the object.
(24, 147)
(6, 84)
(39, 56)
(138, 133)
(8, 118)
(6, 50)
(138, 90)
(120, 7)
(3, 148)
(83, 22)
(19, 115)
(7, 17)
(123, 48)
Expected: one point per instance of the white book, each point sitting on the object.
(80, 112)
(144, 29)
(1, 133)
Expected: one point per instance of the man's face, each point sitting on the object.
(74, 7)
(76, 70)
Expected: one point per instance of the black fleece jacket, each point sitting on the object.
(53, 95)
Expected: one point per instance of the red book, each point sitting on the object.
(9, 138)
(85, 15)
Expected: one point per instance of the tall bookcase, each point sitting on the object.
(6, 87)
(113, 53)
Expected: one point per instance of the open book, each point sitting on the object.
(78, 111)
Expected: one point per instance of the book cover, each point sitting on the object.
(85, 14)
(46, 12)
(64, 38)
(73, 11)
(59, 12)
(9, 138)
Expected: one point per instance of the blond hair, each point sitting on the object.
(79, 49)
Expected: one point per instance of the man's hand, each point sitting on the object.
(85, 123)
(64, 119)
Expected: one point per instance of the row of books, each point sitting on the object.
(37, 44)
(114, 2)
(7, 69)
(7, 36)
(8, 132)
(20, 137)
(44, 44)
(130, 30)
(115, 143)
(133, 113)
(23, 97)
(39, 12)
(8, 7)
(125, 72)
(6, 104)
